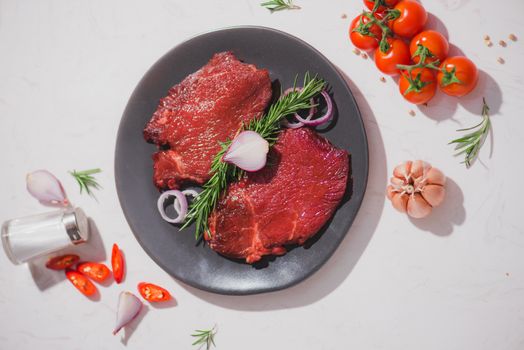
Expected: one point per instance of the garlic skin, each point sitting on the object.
(416, 188)
(45, 187)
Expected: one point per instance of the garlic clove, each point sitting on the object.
(390, 192)
(419, 168)
(433, 194)
(403, 170)
(397, 182)
(418, 207)
(419, 183)
(45, 187)
(400, 202)
(436, 177)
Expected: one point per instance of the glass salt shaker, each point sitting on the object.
(33, 236)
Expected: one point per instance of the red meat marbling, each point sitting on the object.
(285, 203)
(207, 107)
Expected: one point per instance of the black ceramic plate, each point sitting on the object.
(176, 252)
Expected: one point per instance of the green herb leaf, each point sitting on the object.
(205, 337)
(471, 143)
(85, 180)
(277, 5)
(268, 127)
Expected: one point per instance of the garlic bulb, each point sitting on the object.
(416, 187)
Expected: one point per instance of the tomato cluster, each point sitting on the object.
(395, 31)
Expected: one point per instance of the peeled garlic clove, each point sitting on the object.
(128, 308)
(400, 202)
(418, 207)
(419, 168)
(403, 170)
(45, 187)
(433, 194)
(436, 177)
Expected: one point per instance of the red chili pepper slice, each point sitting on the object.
(117, 263)
(62, 262)
(96, 271)
(153, 293)
(81, 282)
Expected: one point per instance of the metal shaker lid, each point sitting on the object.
(76, 225)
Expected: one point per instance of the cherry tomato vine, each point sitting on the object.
(424, 62)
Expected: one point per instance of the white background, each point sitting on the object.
(452, 281)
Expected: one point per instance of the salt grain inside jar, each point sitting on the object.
(33, 236)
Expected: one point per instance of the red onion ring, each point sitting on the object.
(322, 119)
(176, 203)
(296, 125)
(182, 206)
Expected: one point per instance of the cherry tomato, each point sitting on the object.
(398, 53)
(388, 4)
(117, 263)
(153, 293)
(96, 271)
(425, 85)
(434, 42)
(368, 40)
(81, 282)
(464, 70)
(412, 18)
(62, 262)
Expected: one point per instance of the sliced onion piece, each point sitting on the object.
(128, 308)
(292, 125)
(248, 151)
(176, 203)
(288, 90)
(296, 125)
(321, 120)
(181, 208)
(299, 124)
(192, 193)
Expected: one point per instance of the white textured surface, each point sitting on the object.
(454, 281)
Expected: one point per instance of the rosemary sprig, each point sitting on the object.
(268, 127)
(205, 337)
(85, 180)
(277, 5)
(471, 143)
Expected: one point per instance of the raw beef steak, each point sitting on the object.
(287, 202)
(206, 108)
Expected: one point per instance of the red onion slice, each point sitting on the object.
(181, 208)
(176, 203)
(248, 151)
(292, 125)
(321, 120)
(309, 119)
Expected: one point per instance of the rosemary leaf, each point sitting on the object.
(268, 127)
(471, 143)
(205, 337)
(86, 181)
(277, 5)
